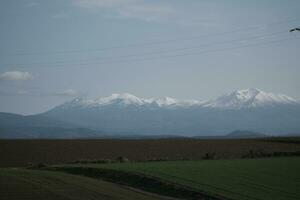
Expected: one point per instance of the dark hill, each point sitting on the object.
(245, 134)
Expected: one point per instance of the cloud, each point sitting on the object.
(22, 92)
(15, 93)
(145, 12)
(60, 16)
(16, 76)
(39, 93)
(124, 9)
(67, 93)
(104, 3)
(32, 4)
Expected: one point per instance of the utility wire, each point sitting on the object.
(151, 43)
(157, 51)
(179, 55)
(196, 53)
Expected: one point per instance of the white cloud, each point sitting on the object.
(60, 16)
(68, 93)
(136, 9)
(16, 76)
(32, 4)
(104, 3)
(14, 93)
(145, 12)
(22, 92)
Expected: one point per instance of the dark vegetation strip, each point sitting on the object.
(263, 154)
(140, 181)
(291, 140)
(207, 156)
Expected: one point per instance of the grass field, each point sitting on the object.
(17, 184)
(15, 153)
(244, 179)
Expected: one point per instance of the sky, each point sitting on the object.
(54, 51)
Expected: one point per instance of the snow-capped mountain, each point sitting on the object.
(249, 98)
(115, 99)
(127, 99)
(249, 109)
(236, 100)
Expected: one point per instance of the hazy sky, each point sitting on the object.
(53, 51)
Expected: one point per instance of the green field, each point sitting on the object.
(21, 184)
(245, 179)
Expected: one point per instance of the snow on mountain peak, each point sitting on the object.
(127, 99)
(166, 101)
(124, 98)
(249, 98)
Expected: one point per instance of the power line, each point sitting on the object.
(152, 43)
(157, 51)
(179, 55)
(199, 53)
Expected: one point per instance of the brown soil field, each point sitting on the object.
(15, 153)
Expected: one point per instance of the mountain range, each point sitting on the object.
(125, 114)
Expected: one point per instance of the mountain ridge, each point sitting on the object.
(39, 126)
(235, 100)
(249, 109)
(126, 114)
(250, 98)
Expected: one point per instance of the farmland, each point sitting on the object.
(16, 153)
(243, 179)
(43, 185)
(219, 169)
